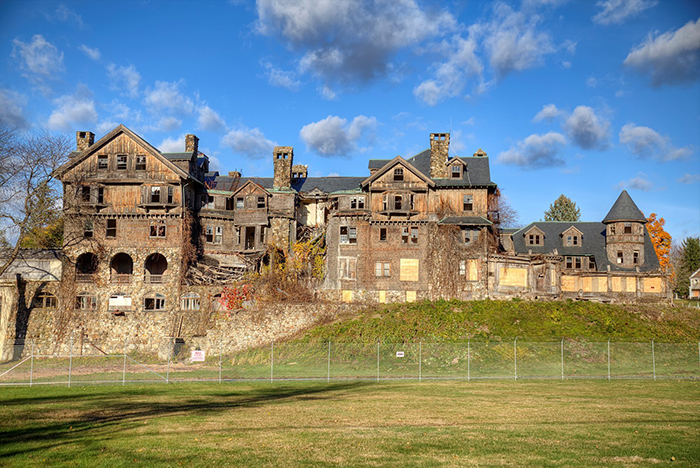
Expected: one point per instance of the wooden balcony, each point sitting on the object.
(154, 279)
(120, 278)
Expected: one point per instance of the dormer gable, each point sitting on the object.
(250, 196)
(572, 237)
(395, 173)
(534, 237)
(456, 168)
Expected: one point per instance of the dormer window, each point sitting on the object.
(572, 240)
(534, 239)
(398, 174)
(456, 172)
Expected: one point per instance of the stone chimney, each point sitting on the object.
(283, 157)
(84, 140)
(191, 144)
(439, 152)
(234, 174)
(300, 171)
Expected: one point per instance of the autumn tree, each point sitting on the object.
(660, 239)
(563, 209)
(29, 194)
(688, 263)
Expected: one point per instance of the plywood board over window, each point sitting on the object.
(510, 276)
(382, 297)
(410, 296)
(409, 269)
(652, 285)
(568, 283)
(631, 285)
(347, 295)
(616, 284)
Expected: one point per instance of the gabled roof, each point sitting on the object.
(624, 209)
(571, 228)
(696, 274)
(398, 160)
(250, 182)
(454, 160)
(78, 157)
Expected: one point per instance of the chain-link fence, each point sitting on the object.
(470, 360)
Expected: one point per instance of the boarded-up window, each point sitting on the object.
(347, 295)
(382, 297)
(616, 284)
(409, 269)
(568, 283)
(510, 276)
(652, 285)
(410, 296)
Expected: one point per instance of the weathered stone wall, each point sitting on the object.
(283, 161)
(439, 152)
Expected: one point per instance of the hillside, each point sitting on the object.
(451, 321)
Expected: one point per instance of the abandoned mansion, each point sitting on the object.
(151, 231)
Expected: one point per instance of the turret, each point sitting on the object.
(624, 233)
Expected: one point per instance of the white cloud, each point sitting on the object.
(637, 183)
(65, 14)
(168, 124)
(73, 110)
(349, 40)
(548, 113)
(618, 11)
(125, 79)
(335, 136)
(535, 152)
(327, 93)
(172, 145)
(591, 82)
(250, 142)
(166, 97)
(11, 109)
(106, 126)
(209, 120)
(39, 58)
(281, 78)
(586, 129)
(645, 142)
(689, 179)
(94, 54)
(670, 58)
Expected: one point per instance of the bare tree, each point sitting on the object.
(30, 195)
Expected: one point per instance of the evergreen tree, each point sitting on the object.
(563, 209)
(690, 262)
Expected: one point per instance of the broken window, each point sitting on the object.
(635, 257)
(88, 229)
(620, 257)
(569, 262)
(155, 194)
(210, 235)
(85, 194)
(102, 162)
(353, 203)
(628, 228)
(456, 172)
(412, 201)
(189, 301)
(470, 235)
(414, 235)
(348, 235)
(111, 228)
(404, 235)
(467, 203)
(154, 302)
(170, 195)
(261, 202)
(347, 267)
(398, 199)
(463, 267)
(382, 234)
(357, 203)
(398, 174)
(612, 229)
(385, 202)
(238, 235)
(262, 235)
(140, 162)
(591, 263)
(100, 195)
(240, 203)
(121, 162)
(382, 269)
(85, 301)
(45, 300)
(218, 234)
(577, 262)
(157, 228)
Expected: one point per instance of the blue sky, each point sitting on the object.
(581, 98)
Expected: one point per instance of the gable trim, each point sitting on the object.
(391, 164)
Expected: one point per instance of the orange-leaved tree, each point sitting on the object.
(660, 239)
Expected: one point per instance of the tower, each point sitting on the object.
(624, 233)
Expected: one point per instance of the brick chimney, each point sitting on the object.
(84, 140)
(283, 157)
(191, 144)
(439, 152)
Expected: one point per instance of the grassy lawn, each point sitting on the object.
(354, 423)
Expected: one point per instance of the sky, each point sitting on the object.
(580, 98)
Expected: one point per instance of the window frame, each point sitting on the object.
(85, 301)
(140, 164)
(190, 301)
(122, 162)
(398, 174)
(111, 229)
(158, 303)
(102, 162)
(157, 229)
(467, 202)
(347, 268)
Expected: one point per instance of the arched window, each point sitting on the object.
(156, 265)
(85, 301)
(154, 301)
(45, 300)
(119, 301)
(86, 267)
(121, 268)
(189, 301)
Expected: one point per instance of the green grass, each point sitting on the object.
(453, 321)
(435, 423)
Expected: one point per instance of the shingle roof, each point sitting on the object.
(325, 184)
(624, 209)
(178, 156)
(593, 243)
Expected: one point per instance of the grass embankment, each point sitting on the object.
(453, 321)
(599, 423)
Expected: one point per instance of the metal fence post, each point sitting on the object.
(272, 360)
(377, 361)
(420, 361)
(608, 359)
(653, 357)
(515, 356)
(562, 358)
(220, 360)
(469, 361)
(126, 340)
(70, 362)
(328, 375)
(31, 367)
(171, 344)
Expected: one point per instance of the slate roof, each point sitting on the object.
(478, 172)
(466, 221)
(178, 156)
(325, 184)
(624, 209)
(593, 243)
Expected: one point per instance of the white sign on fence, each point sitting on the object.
(198, 356)
(399, 353)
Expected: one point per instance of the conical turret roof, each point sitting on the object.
(624, 209)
